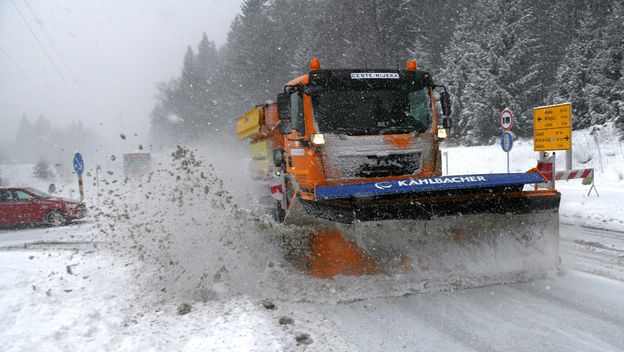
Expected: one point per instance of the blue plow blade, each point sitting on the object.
(430, 184)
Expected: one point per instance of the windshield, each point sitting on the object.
(38, 193)
(379, 111)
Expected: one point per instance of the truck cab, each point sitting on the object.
(360, 125)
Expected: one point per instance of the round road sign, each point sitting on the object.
(506, 119)
(506, 141)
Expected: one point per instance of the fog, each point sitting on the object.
(97, 61)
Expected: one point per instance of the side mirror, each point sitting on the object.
(278, 158)
(312, 91)
(283, 112)
(445, 101)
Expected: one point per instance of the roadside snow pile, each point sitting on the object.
(60, 301)
(67, 299)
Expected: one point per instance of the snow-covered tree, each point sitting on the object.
(42, 170)
(490, 53)
(490, 64)
(473, 71)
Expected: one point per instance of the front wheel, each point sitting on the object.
(55, 218)
(278, 212)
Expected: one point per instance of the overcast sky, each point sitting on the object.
(102, 58)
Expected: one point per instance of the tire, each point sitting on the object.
(278, 212)
(55, 218)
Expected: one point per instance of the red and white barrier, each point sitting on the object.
(546, 165)
(573, 174)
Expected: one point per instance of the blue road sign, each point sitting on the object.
(78, 164)
(506, 141)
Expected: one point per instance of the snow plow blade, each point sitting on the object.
(427, 198)
(469, 228)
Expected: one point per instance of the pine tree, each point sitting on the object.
(522, 67)
(573, 76)
(42, 170)
(606, 75)
(248, 55)
(207, 66)
(354, 33)
(473, 72)
(491, 64)
(291, 39)
(24, 138)
(188, 98)
(304, 46)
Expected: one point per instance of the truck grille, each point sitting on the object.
(367, 166)
(391, 165)
(365, 157)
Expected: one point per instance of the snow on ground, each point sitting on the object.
(186, 234)
(58, 301)
(58, 297)
(61, 300)
(600, 150)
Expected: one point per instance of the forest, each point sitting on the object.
(491, 54)
(40, 140)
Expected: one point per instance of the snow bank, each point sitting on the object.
(63, 301)
(58, 301)
(599, 148)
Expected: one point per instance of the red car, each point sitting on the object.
(28, 206)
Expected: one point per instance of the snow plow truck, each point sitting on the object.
(354, 156)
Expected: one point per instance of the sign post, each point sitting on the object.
(506, 122)
(79, 168)
(552, 128)
(507, 144)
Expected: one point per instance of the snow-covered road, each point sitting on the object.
(75, 232)
(582, 310)
(44, 307)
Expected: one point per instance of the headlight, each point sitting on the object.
(318, 139)
(442, 133)
(71, 206)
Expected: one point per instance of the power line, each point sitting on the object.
(25, 74)
(58, 52)
(48, 55)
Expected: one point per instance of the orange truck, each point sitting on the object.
(355, 153)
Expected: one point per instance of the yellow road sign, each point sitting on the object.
(552, 127)
(552, 139)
